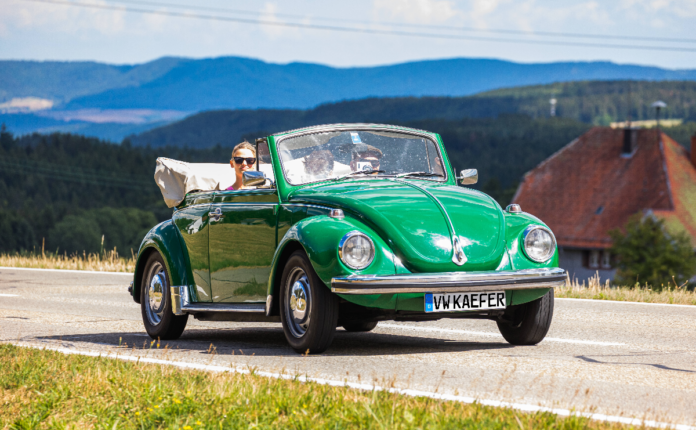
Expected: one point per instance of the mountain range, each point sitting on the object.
(86, 97)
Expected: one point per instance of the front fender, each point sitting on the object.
(515, 226)
(165, 239)
(319, 237)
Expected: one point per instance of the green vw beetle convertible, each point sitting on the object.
(346, 225)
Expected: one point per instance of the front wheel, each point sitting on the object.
(309, 312)
(156, 302)
(528, 323)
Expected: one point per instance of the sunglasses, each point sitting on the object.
(375, 163)
(240, 160)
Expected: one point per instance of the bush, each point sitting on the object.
(648, 254)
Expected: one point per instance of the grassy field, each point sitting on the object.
(45, 389)
(592, 289)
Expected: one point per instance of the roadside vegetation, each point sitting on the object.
(45, 389)
(596, 290)
(108, 261)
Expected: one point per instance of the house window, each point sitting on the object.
(593, 261)
(606, 260)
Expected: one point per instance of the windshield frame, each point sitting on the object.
(278, 139)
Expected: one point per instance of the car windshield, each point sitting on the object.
(359, 153)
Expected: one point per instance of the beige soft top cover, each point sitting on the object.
(176, 178)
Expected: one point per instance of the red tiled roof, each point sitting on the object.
(588, 187)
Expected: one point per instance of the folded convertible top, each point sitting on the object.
(177, 178)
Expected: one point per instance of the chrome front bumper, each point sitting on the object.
(450, 281)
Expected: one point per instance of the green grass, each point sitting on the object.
(46, 389)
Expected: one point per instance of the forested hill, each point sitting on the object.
(243, 83)
(594, 102)
(70, 190)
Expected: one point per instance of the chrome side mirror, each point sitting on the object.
(253, 178)
(469, 177)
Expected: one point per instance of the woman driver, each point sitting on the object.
(243, 159)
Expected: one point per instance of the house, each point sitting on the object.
(596, 182)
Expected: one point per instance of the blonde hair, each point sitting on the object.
(244, 145)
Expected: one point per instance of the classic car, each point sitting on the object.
(344, 226)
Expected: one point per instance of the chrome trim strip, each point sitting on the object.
(225, 307)
(180, 298)
(181, 304)
(450, 281)
(309, 205)
(269, 304)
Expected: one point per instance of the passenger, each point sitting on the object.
(319, 164)
(365, 157)
(243, 159)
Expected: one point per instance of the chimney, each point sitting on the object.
(693, 150)
(630, 142)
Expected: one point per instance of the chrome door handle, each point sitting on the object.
(215, 215)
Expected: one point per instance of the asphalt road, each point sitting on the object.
(607, 357)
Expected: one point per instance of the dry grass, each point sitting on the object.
(108, 261)
(596, 290)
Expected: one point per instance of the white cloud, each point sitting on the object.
(64, 18)
(416, 11)
(268, 14)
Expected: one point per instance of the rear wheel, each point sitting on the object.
(360, 326)
(528, 323)
(156, 302)
(309, 311)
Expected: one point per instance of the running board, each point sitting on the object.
(181, 304)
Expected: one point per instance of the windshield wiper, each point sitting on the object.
(359, 172)
(402, 175)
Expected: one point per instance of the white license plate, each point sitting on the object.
(456, 302)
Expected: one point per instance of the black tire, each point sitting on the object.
(160, 322)
(311, 325)
(360, 326)
(528, 323)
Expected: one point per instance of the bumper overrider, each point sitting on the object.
(450, 282)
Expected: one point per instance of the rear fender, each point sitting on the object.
(319, 236)
(165, 239)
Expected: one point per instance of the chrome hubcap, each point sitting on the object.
(297, 302)
(156, 290)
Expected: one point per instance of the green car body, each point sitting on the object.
(225, 251)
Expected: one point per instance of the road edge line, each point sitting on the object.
(367, 387)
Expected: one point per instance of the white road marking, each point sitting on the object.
(369, 387)
(627, 303)
(68, 271)
(490, 334)
(9, 295)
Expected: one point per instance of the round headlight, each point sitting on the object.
(539, 243)
(356, 250)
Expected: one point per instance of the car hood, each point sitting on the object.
(409, 218)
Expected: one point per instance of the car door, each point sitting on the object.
(192, 221)
(242, 243)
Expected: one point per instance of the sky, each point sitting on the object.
(102, 30)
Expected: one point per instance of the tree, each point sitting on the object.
(648, 254)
